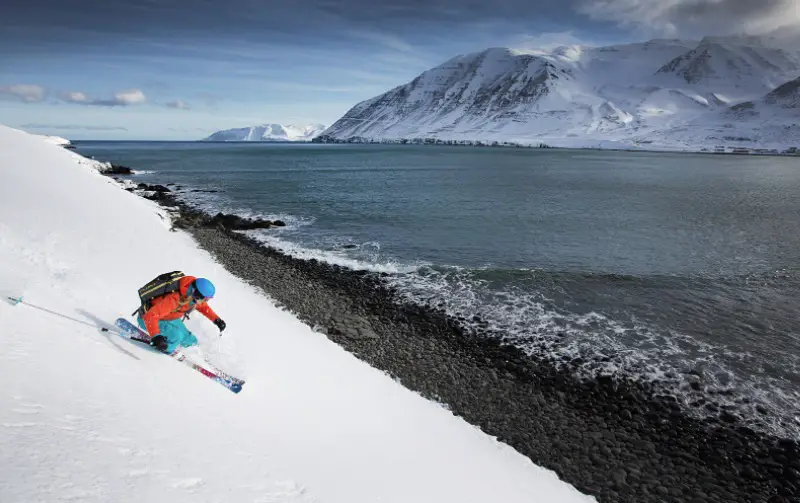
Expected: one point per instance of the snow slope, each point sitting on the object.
(57, 140)
(269, 132)
(631, 94)
(771, 122)
(88, 416)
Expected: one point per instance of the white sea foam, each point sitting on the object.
(341, 258)
(214, 202)
(641, 352)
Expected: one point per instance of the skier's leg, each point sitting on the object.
(172, 331)
(161, 328)
(177, 334)
(187, 338)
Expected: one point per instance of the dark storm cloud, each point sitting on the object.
(214, 16)
(93, 23)
(698, 17)
(95, 26)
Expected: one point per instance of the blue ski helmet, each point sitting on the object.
(204, 288)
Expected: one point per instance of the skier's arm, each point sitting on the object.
(161, 308)
(206, 311)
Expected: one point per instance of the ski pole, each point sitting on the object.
(18, 300)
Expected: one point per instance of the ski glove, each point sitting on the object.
(221, 324)
(159, 342)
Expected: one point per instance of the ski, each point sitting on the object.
(225, 375)
(134, 333)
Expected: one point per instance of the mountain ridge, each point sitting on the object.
(635, 94)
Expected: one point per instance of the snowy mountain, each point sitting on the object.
(313, 423)
(269, 132)
(624, 95)
(772, 122)
(742, 62)
(786, 96)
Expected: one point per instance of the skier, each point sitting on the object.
(162, 319)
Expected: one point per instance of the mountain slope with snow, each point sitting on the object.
(269, 132)
(57, 140)
(629, 94)
(730, 62)
(87, 416)
(771, 122)
(785, 96)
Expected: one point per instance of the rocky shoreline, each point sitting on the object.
(617, 440)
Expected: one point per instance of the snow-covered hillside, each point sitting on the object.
(771, 122)
(57, 140)
(88, 416)
(269, 132)
(628, 95)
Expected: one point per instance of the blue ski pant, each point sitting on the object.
(175, 331)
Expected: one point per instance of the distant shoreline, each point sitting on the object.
(739, 151)
(464, 143)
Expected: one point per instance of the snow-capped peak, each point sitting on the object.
(641, 93)
(746, 61)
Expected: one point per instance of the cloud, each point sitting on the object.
(73, 127)
(544, 41)
(178, 104)
(697, 17)
(120, 99)
(28, 93)
(386, 40)
(73, 97)
(131, 97)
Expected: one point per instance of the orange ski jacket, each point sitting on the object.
(175, 305)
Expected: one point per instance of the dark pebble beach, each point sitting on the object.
(617, 440)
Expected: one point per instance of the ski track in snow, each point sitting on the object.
(89, 416)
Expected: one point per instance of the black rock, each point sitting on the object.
(117, 169)
(152, 188)
(234, 222)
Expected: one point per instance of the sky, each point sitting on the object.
(182, 69)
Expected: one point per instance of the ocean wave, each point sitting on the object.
(483, 300)
(212, 200)
(342, 257)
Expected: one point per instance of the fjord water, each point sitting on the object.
(678, 267)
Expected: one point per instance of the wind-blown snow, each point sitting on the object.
(269, 132)
(633, 95)
(88, 416)
(57, 140)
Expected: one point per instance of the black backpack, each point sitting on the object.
(161, 285)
